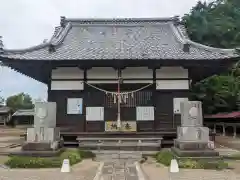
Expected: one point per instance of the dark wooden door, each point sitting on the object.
(164, 111)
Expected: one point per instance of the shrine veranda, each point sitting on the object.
(92, 65)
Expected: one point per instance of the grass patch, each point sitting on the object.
(74, 155)
(165, 156)
(233, 156)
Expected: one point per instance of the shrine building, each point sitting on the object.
(118, 75)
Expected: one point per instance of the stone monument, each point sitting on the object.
(44, 136)
(192, 138)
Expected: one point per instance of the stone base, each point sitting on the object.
(190, 145)
(194, 153)
(37, 153)
(40, 146)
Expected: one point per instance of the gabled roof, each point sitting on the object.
(5, 110)
(229, 115)
(24, 112)
(80, 39)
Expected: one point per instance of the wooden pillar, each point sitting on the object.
(234, 131)
(154, 94)
(85, 69)
(4, 120)
(223, 127)
(49, 67)
(214, 128)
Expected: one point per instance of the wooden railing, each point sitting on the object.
(223, 125)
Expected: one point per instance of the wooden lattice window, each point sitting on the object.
(141, 98)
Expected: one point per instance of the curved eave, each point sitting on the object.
(56, 40)
(35, 70)
(184, 40)
(42, 60)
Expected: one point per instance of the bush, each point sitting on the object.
(32, 162)
(164, 157)
(233, 156)
(189, 164)
(218, 165)
(87, 154)
(74, 155)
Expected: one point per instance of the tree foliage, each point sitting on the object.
(216, 24)
(19, 101)
(1, 101)
(218, 93)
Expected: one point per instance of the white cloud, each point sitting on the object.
(25, 23)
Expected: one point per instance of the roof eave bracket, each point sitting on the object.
(51, 48)
(1, 45)
(186, 47)
(62, 21)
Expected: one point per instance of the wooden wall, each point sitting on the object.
(167, 85)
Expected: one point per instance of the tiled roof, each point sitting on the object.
(24, 112)
(229, 115)
(4, 110)
(83, 39)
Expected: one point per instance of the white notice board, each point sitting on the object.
(74, 105)
(94, 113)
(176, 104)
(145, 113)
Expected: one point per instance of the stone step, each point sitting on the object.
(115, 155)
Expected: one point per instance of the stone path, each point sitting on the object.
(119, 170)
(119, 166)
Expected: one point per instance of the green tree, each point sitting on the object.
(218, 93)
(216, 24)
(1, 101)
(20, 101)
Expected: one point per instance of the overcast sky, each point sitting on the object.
(24, 23)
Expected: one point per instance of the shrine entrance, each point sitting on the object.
(120, 108)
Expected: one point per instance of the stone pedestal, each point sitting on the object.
(192, 138)
(40, 146)
(45, 140)
(206, 153)
(44, 136)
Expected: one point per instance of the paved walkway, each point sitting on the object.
(228, 141)
(119, 166)
(119, 170)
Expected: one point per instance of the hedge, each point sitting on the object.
(165, 156)
(74, 155)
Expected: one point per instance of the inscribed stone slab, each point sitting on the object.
(45, 114)
(193, 134)
(191, 113)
